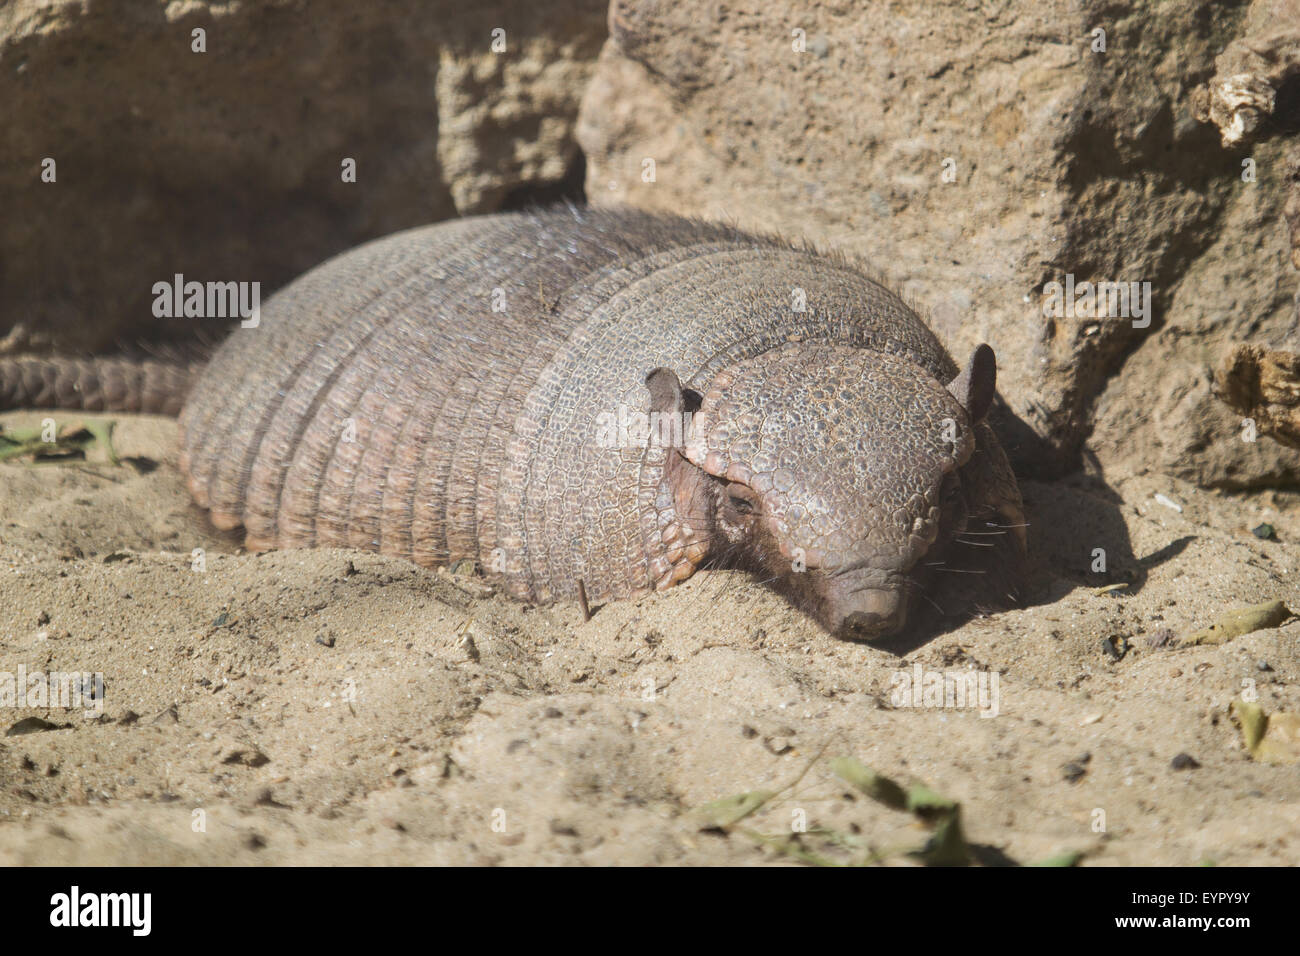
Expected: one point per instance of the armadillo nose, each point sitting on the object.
(872, 614)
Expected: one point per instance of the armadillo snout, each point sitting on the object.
(867, 614)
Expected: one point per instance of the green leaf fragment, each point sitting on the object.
(70, 439)
(731, 810)
(928, 805)
(947, 844)
(102, 431)
(878, 788)
(1065, 858)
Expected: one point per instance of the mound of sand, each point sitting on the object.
(340, 707)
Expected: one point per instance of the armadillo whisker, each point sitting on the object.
(925, 597)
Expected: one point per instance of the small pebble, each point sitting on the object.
(1161, 637)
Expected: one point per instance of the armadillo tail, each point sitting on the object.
(150, 383)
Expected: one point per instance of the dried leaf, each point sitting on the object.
(1270, 738)
(1234, 623)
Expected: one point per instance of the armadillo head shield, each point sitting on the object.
(833, 471)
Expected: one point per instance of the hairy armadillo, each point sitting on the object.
(479, 389)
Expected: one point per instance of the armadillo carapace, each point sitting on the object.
(510, 389)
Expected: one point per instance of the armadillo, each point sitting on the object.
(480, 389)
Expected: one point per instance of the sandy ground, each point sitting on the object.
(339, 707)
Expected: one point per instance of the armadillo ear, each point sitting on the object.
(978, 381)
(665, 390)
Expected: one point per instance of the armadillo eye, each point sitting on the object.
(951, 486)
(741, 498)
(952, 505)
(743, 505)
